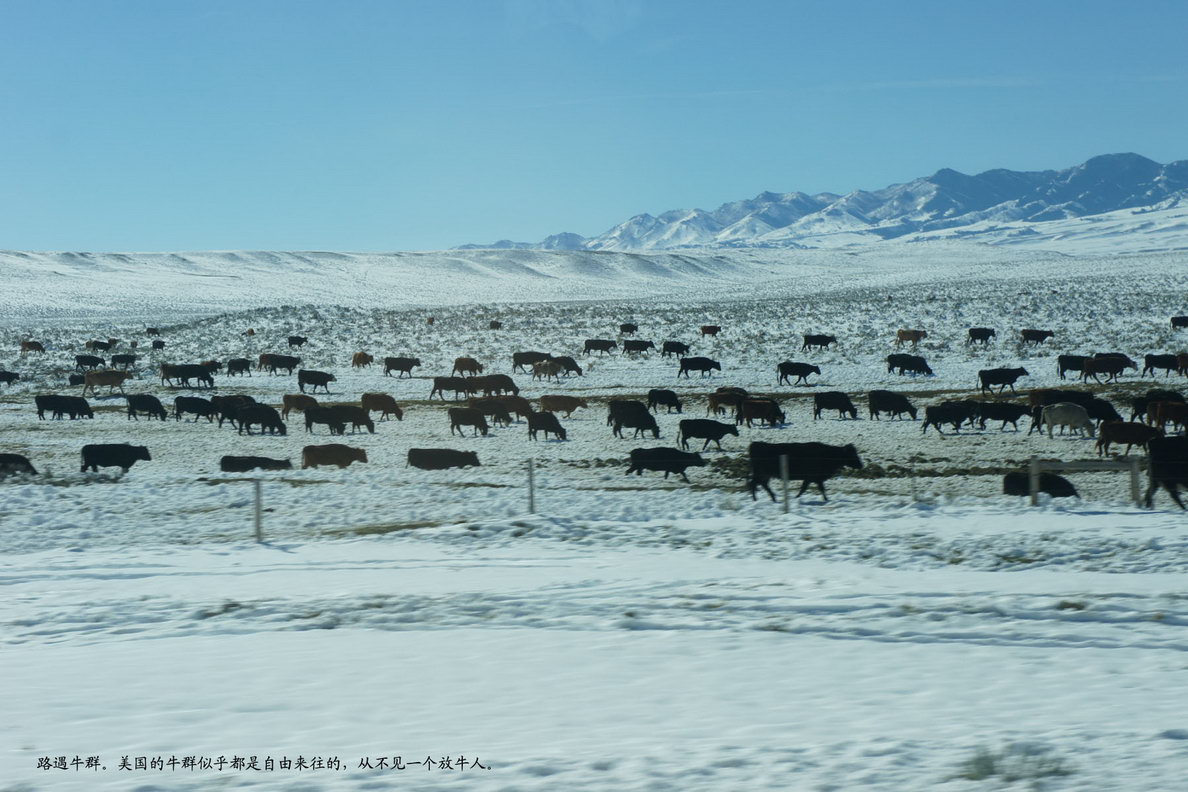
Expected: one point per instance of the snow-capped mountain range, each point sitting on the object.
(998, 207)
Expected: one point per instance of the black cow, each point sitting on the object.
(296, 341)
(1179, 321)
(885, 401)
(273, 362)
(633, 346)
(59, 406)
(145, 403)
(1007, 412)
(632, 415)
(325, 415)
(229, 406)
(1002, 377)
(494, 409)
(263, 414)
(158, 343)
(1101, 410)
(808, 463)
(668, 460)
(834, 400)
(1035, 337)
(603, 345)
(704, 429)
(674, 348)
(441, 458)
(569, 364)
(8, 377)
(955, 413)
(239, 366)
(184, 373)
(196, 405)
(817, 341)
(15, 464)
(469, 416)
(905, 363)
(1070, 363)
(523, 361)
(119, 455)
(78, 379)
(401, 365)
(85, 362)
(246, 464)
(123, 361)
(459, 386)
(661, 397)
(981, 335)
(1052, 484)
(1169, 467)
(1169, 363)
(789, 369)
(627, 328)
(702, 364)
(545, 422)
(318, 379)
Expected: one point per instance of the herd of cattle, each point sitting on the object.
(492, 399)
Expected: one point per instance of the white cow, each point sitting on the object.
(1065, 414)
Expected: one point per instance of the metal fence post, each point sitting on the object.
(784, 479)
(259, 510)
(531, 486)
(1134, 482)
(1033, 479)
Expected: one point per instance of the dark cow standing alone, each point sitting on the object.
(808, 463)
(1035, 337)
(885, 401)
(834, 400)
(296, 341)
(981, 335)
(401, 365)
(317, 379)
(119, 455)
(908, 363)
(545, 422)
(801, 371)
(817, 342)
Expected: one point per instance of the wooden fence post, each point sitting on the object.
(784, 479)
(1134, 482)
(259, 510)
(1033, 479)
(531, 486)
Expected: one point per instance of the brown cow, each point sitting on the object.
(361, 359)
(724, 397)
(565, 404)
(31, 346)
(1130, 433)
(382, 403)
(249, 332)
(515, 404)
(1182, 362)
(335, 454)
(1175, 413)
(466, 366)
(109, 377)
(760, 410)
(1035, 337)
(1110, 366)
(915, 336)
(297, 401)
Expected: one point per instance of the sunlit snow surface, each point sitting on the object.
(636, 633)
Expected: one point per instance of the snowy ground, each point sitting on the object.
(635, 633)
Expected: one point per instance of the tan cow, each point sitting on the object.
(915, 336)
(109, 377)
(31, 346)
(361, 359)
(565, 404)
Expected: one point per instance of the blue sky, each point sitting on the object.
(172, 125)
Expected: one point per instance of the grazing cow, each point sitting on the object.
(1035, 337)
(296, 341)
(545, 422)
(441, 458)
(885, 401)
(702, 364)
(603, 345)
(1168, 458)
(905, 363)
(627, 328)
(15, 465)
(565, 404)
(1002, 377)
(1178, 322)
(789, 369)
(333, 419)
(152, 331)
(981, 335)
(263, 414)
(1110, 366)
(383, 403)
(119, 455)
(568, 364)
(8, 377)
(632, 415)
(112, 379)
(724, 397)
(913, 336)
(1066, 363)
(704, 429)
(97, 346)
(361, 359)
(1130, 433)
(353, 415)
(76, 379)
(1065, 414)
(1042, 397)
(31, 346)
(273, 362)
(144, 403)
(296, 401)
(1101, 410)
(1182, 362)
(211, 366)
(1007, 412)
(401, 365)
(59, 406)
(817, 342)
(523, 361)
(494, 409)
(1175, 413)
(318, 379)
(668, 460)
(495, 325)
(196, 405)
(1168, 363)
(1140, 404)
(86, 362)
(123, 361)
(954, 413)
(158, 343)
(751, 410)
(229, 406)
(665, 398)
(1049, 483)
(467, 366)
(239, 366)
(834, 400)
(470, 416)
(673, 348)
(808, 463)
(493, 384)
(331, 454)
(710, 330)
(635, 346)
(246, 464)
(515, 404)
(186, 372)
(546, 369)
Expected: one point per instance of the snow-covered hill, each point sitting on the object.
(1142, 199)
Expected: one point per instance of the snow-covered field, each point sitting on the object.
(917, 631)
